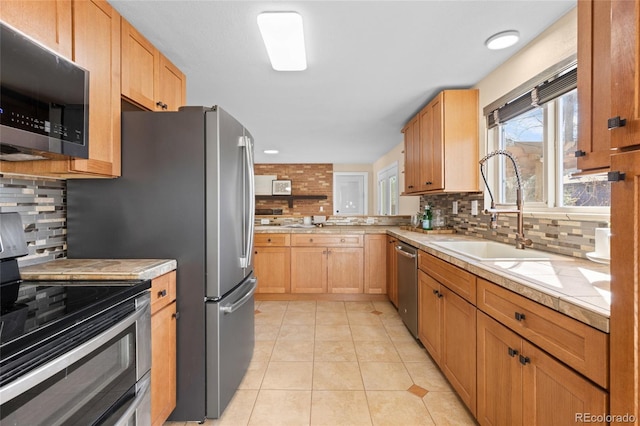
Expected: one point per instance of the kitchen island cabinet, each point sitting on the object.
(163, 347)
(149, 79)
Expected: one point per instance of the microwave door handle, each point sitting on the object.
(142, 392)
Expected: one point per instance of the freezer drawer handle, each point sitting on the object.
(234, 307)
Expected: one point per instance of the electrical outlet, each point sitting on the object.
(321, 208)
(474, 208)
(454, 207)
(264, 221)
(370, 221)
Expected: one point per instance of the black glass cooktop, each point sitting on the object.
(46, 310)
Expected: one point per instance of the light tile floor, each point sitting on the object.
(339, 363)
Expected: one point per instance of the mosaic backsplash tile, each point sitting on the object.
(42, 205)
(569, 237)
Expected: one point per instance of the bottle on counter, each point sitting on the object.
(426, 217)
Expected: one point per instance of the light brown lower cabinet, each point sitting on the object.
(519, 384)
(375, 264)
(272, 263)
(447, 329)
(163, 347)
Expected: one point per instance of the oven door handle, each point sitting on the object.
(142, 392)
(42, 373)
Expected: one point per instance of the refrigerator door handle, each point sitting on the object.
(245, 260)
(229, 309)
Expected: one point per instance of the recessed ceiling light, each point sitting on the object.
(502, 40)
(284, 39)
(271, 151)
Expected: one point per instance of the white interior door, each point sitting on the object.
(350, 193)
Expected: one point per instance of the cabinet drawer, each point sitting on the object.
(267, 240)
(460, 281)
(163, 291)
(326, 240)
(581, 347)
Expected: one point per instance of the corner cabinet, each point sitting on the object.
(149, 79)
(163, 347)
(594, 88)
(96, 47)
(441, 145)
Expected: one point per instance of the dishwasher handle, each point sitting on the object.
(405, 253)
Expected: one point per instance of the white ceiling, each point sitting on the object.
(371, 64)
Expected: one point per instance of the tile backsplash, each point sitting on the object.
(41, 203)
(570, 237)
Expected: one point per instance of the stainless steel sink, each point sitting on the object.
(492, 251)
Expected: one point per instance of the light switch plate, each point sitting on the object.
(370, 221)
(454, 207)
(264, 221)
(474, 207)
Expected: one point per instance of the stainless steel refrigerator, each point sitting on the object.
(186, 193)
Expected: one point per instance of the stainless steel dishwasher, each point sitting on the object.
(408, 285)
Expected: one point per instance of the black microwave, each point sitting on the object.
(44, 101)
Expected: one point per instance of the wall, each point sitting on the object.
(306, 179)
(408, 205)
(42, 205)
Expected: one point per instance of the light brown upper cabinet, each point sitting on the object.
(445, 158)
(96, 47)
(149, 79)
(594, 88)
(48, 22)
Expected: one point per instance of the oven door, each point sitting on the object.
(94, 383)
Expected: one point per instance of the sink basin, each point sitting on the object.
(492, 251)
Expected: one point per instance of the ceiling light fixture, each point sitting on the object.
(502, 40)
(284, 39)
(271, 151)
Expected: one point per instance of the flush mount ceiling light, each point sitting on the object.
(271, 151)
(284, 39)
(502, 40)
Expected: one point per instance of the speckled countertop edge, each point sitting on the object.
(98, 269)
(584, 304)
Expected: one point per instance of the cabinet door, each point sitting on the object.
(47, 21)
(375, 264)
(458, 361)
(625, 274)
(345, 270)
(594, 88)
(429, 316)
(412, 156)
(273, 269)
(96, 39)
(171, 86)
(140, 60)
(499, 374)
(163, 364)
(431, 149)
(625, 72)
(392, 271)
(553, 394)
(309, 270)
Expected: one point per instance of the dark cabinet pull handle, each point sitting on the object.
(440, 295)
(524, 360)
(428, 183)
(310, 240)
(615, 122)
(255, 252)
(162, 293)
(519, 316)
(580, 153)
(435, 292)
(512, 352)
(176, 315)
(410, 186)
(615, 176)
(159, 104)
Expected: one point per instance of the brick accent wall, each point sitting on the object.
(306, 179)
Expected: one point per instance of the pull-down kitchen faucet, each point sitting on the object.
(521, 241)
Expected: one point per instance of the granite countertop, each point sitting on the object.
(575, 287)
(98, 269)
